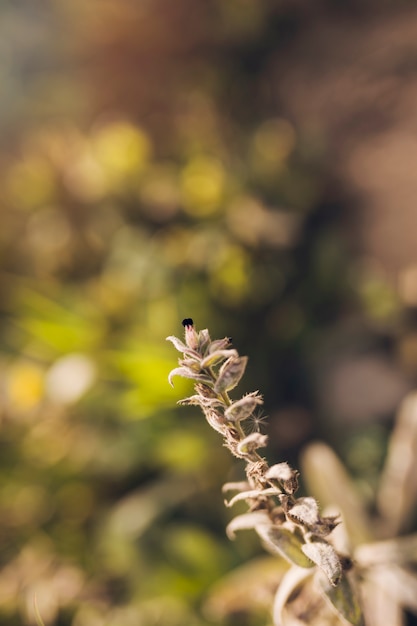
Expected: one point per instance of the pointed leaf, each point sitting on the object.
(192, 364)
(203, 340)
(398, 550)
(230, 373)
(215, 357)
(236, 486)
(397, 494)
(182, 347)
(200, 401)
(245, 521)
(328, 481)
(219, 344)
(289, 583)
(343, 599)
(252, 494)
(288, 544)
(398, 582)
(185, 372)
(325, 557)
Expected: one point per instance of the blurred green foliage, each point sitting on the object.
(147, 175)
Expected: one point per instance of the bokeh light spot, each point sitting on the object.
(202, 184)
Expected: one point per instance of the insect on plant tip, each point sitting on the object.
(191, 336)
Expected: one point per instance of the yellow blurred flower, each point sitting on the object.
(202, 186)
(122, 150)
(25, 386)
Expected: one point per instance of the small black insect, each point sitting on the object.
(187, 322)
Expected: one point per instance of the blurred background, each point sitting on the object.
(249, 164)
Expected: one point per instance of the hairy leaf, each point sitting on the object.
(245, 521)
(252, 494)
(185, 372)
(325, 557)
(283, 541)
(343, 599)
(182, 347)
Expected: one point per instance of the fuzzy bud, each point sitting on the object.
(191, 336)
(285, 475)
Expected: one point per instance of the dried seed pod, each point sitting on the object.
(230, 373)
(252, 442)
(284, 474)
(243, 408)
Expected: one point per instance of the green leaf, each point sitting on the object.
(343, 599)
(216, 357)
(284, 542)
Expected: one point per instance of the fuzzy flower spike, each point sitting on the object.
(288, 525)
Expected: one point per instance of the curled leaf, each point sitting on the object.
(290, 582)
(182, 347)
(252, 494)
(237, 486)
(230, 373)
(199, 401)
(245, 521)
(326, 558)
(186, 372)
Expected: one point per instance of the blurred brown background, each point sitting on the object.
(247, 164)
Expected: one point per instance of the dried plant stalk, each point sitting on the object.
(289, 525)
